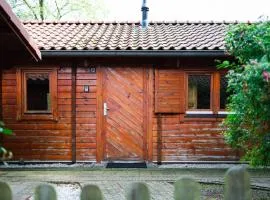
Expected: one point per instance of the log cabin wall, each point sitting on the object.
(174, 136)
(177, 136)
(48, 140)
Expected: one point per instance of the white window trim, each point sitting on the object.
(199, 112)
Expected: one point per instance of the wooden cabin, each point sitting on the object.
(117, 92)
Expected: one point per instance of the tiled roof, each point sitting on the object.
(10, 20)
(127, 36)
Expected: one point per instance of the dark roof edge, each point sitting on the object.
(133, 53)
(14, 23)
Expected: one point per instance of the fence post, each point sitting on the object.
(45, 192)
(138, 191)
(186, 189)
(5, 191)
(91, 192)
(237, 184)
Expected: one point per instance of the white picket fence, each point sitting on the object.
(237, 187)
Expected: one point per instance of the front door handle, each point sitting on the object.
(105, 109)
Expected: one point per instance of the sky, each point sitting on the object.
(192, 10)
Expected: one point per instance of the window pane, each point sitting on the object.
(199, 91)
(38, 92)
(223, 91)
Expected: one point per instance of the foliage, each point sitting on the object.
(58, 9)
(3, 152)
(248, 127)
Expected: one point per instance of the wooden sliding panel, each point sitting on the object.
(169, 91)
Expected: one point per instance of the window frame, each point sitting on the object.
(214, 93)
(22, 112)
(200, 111)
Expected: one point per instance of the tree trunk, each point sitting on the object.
(41, 9)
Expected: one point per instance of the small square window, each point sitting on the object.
(37, 94)
(199, 92)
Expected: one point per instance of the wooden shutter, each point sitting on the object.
(169, 91)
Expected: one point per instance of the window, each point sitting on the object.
(199, 92)
(206, 93)
(37, 93)
(223, 92)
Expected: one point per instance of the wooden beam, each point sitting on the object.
(159, 138)
(99, 116)
(216, 92)
(73, 111)
(149, 109)
(1, 109)
(1, 104)
(145, 111)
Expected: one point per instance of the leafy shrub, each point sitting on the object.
(248, 128)
(4, 154)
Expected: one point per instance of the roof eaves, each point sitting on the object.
(17, 27)
(133, 53)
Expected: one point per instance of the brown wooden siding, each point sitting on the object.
(49, 140)
(175, 137)
(169, 91)
(188, 140)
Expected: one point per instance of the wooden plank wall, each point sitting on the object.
(188, 140)
(169, 87)
(180, 139)
(86, 115)
(49, 140)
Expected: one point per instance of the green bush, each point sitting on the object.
(4, 154)
(248, 127)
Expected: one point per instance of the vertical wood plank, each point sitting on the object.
(1, 98)
(99, 115)
(145, 111)
(19, 93)
(45, 192)
(159, 139)
(54, 92)
(237, 184)
(73, 111)
(138, 191)
(215, 92)
(156, 106)
(91, 192)
(1, 103)
(150, 110)
(5, 191)
(186, 189)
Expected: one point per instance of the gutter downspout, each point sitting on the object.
(73, 111)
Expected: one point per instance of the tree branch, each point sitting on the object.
(58, 10)
(41, 9)
(31, 9)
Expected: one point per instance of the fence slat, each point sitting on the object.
(186, 189)
(91, 192)
(138, 191)
(237, 184)
(45, 192)
(5, 191)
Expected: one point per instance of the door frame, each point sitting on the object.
(148, 94)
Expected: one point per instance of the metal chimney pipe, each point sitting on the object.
(144, 10)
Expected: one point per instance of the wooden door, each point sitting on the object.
(123, 124)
